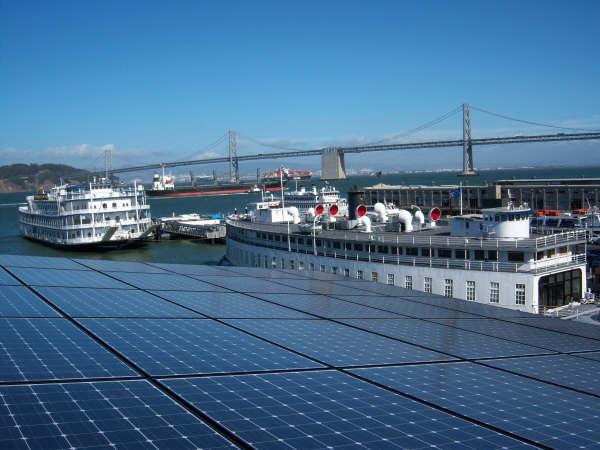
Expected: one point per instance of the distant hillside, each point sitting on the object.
(31, 177)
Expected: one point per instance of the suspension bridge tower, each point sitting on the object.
(234, 169)
(468, 166)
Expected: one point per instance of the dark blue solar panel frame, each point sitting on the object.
(67, 278)
(449, 340)
(19, 301)
(536, 337)
(564, 370)
(7, 279)
(326, 306)
(84, 302)
(544, 413)
(191, 346)
(231, 305)
(106, 265)
(53, 349)
(337, 344)
(328, 410)
(125, 414)
(561, 326)
(250, 285)
(165, 282)
(40, 262)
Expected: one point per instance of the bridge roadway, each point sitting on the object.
(372, 148)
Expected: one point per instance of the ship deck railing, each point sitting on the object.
(461, 264)
(426, 238)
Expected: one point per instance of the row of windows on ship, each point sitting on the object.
(61, 234)
(447, 287)
(52, 206)
(427, 252)
(83, 219)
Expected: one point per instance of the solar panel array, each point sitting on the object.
(119, 354)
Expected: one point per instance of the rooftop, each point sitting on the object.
(130, 354)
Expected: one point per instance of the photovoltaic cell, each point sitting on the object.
(119, 266)
(260, 272)
(84, 302)
(52, 349)
(591, 355)
(230, 305)
(405, 306)
(250, 285)
(7, 279)
(164, 281)
(328, 410)
(126, 414)
(70, 278)
(547, 414)
(570, 371)
(527, 335)
(336, 344)
(191, 346)
(452, 341)
(190, 269)
(39, 262)
(19, 301)
(325, 306)
(561, 326)
(323, 287)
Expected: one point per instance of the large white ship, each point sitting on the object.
(489, 258)
(96, 214)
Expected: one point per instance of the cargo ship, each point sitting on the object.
(287, 174)
(164, 186)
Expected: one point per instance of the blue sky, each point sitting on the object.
(162, 80)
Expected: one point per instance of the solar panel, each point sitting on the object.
(260, 272)
(590, 355)
(39, 262)
(323, 287)
(126, 414)
(230, 305)
(547, 414)
(565, 370)
(7, 279)
(336, 344)
(326, 410)
(250, 285)
(404, 306)
(191, 346)
(189, 269)
(61, 277)
(19, 301)
(51, 349)
(527, 335)
(107, 265)
(449, 340)
(163, 281)
(325, 306)
(84, 302)
(561, 326)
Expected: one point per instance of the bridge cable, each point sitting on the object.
(528, 122)
(209, 147)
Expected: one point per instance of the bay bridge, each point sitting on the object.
(333, 158)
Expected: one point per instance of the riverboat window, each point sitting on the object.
(551, 252)
(412, 251)
(300, 265)
(311, 267)
(334, 269)
(282, 264)
(374, 276)
(337, 244)
(318, 242)
(459, 254)
(390, 278)
(274, 262)
(448, 288)
(292, 265)
(322, 267)
(563, 250)
(382, 249)
(516, 256)
(114, 205)
(300, 241)
(408, 282)
(347, 273)
(479, 255)
(427, 284)
(426, 251)
(494, 292)
(444, 253)
(104, 205)
(293, 240)
(539, 255)
(493, 255)
(277, 237)
(348, 245)
(371, 248)
(520, 294)
(359, 275)
(358, 247)
(470, 290)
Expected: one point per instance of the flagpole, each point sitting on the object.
(461, 200)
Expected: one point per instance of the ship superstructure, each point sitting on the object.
(490, 258)
(95, 214)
